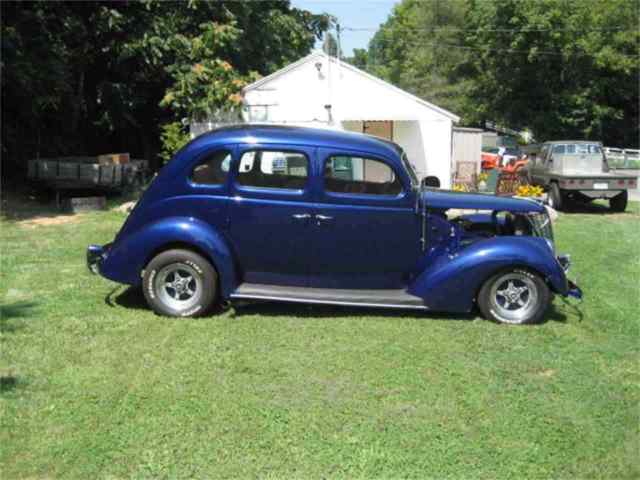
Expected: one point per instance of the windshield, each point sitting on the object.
(410, 170)
(578, 149)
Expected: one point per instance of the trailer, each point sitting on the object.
(102, 174)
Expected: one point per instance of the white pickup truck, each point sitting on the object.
(573, 170)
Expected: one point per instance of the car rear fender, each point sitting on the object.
(130, 253)
(452, 281)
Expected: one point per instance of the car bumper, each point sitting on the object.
(95, 256)
(573, 290)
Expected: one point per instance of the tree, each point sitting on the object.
(565, 69)
(413, 50)
(91, 77)
(359, 59)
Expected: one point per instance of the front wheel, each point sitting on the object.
(180, 283)
(515, 297)
(619, 202)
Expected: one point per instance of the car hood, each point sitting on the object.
(444, 200)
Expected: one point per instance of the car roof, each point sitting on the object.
(293, 135)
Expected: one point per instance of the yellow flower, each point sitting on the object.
(235, 98)
(168, 98)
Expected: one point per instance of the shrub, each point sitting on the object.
(173, 137)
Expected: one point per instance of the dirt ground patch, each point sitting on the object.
(46, 221)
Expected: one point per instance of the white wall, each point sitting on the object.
(467, 147)
(436, 136)
(299, 97)
(407, 134)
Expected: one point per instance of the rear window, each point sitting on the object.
(213, 169)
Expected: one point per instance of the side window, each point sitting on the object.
(349, 174)
(273, 169)
(213, 169)
(559, 149)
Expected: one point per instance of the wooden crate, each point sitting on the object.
(113, 159)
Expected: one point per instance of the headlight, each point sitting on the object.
(550, 245)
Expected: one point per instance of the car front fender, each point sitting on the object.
(452, 281)
(129, 254)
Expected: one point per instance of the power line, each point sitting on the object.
(504, 50)
(481, 30)
(520, 52)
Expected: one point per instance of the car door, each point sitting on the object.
(270, 213)
(366, 234)
(537, 169)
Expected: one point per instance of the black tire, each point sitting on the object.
(180, 283)
(555, 197)
(619, 202)
(537, 297)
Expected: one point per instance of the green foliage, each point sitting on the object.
(410, 50)
(562, 68)
(94, 385)
(173, 137)
(360, 58)
(566, 69)
(93, 77)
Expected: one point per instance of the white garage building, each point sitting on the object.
(321, 91)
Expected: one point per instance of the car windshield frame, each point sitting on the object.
(413, 176)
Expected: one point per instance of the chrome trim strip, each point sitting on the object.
(327, 302)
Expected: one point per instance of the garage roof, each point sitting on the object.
(320, 55)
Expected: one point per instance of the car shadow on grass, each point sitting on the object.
(301, 310)
(595, 208)
(133, 298)
(127, 297)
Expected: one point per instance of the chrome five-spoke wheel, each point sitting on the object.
(515, 297)
(180, 283)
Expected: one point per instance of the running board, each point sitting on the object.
(330, 296)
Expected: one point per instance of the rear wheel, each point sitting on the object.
(180, 283)
(555, 197)
(515, 297)
(619, 202)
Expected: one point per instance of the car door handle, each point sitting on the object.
(323, 218)
(301, 216)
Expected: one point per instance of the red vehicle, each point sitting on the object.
(505, 159)
(490, 158)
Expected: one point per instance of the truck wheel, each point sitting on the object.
(515, 297)
(555, 197)
(180, 283)
(619, 202)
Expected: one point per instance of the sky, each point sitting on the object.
(352, 13)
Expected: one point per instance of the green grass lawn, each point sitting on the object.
(95, 385)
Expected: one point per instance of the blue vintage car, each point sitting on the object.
(318, 216)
